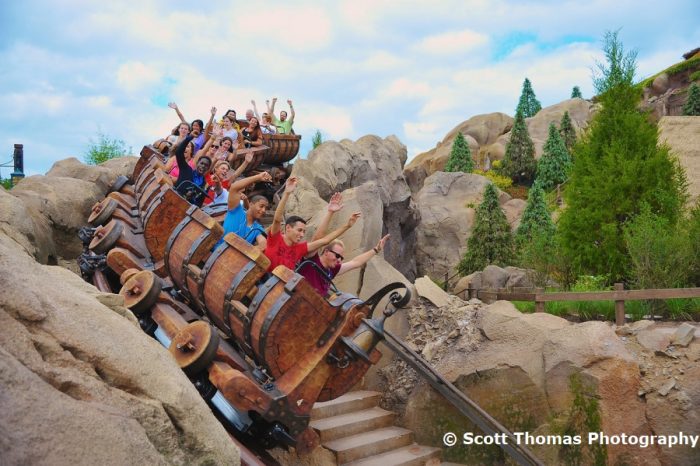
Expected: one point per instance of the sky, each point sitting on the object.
(415, 69)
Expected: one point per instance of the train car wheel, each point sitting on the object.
(102, 212)
(194, 347)
(141, 291)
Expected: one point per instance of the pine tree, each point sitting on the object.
(536, 219)
(491, 241)
(519, 161)
(554, 165)
(576, 93)
(528, 103)
(567, 131)
(617, 168)
(692, 105)
(460, 157)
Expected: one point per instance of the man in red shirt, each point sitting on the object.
(286, 247)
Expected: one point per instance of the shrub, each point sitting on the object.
(105, 148)
(460, 156)
(617, 167)
(6, 183)
(554, 165)
(692, 104)
(317, 139)
(660, 252)
(501, 182)
(528, 103)
(491, 241)
(519, 162)
(694, 76)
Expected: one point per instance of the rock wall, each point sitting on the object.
(82, 383)
(682, 134)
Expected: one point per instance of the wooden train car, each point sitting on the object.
(261, 347)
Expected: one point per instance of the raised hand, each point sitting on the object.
(289, 101)
(380, 244)
(266, 177)
(336, 203)
(172, 105)
(213, 111)
(291, 184)
(353, 218)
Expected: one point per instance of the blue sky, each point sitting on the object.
(409, 68)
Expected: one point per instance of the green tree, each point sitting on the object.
(567, 131)
(317, 139)
(460, 157)
(491, 241)
(554, 165)
(528, 103)
(692, 105)
(536, 219)
(6, 183)
(576, 93)
(105, 148)
(618, 166)
(519, 161)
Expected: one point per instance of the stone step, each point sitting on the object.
(352, 401)
(371, 443)
(411, 455)
(344, 425)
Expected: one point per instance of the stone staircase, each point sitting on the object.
(360, 433)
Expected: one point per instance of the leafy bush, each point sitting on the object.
(6, 183)
(460, 156)
(694, 76)
(617, 168)
(692, 104)
(317, 139)
(501, 182)
(105, 148)
(491, 241)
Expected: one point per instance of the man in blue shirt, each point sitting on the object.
(244, 222)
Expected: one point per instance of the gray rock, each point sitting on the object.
(684, 334)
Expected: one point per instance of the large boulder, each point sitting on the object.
(682, 134)
(479, 131)
(374, 164)
(537, 373)
(447, 205)
(82, 384)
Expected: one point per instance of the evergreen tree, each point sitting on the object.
(536, 219)
(528, 103)
(554, 165)
(567, 131)
(519, 161)
(692, 105)
(460, 157)
(316, 139)
(618, 167)
(491, 241)
(576, 93)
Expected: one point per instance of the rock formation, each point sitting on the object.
(82, 383)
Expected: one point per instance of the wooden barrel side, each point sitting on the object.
(288, 322)
(228, 275)
(190, 242)
(166, 211)
(283, 148)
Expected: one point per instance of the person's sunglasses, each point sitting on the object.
(215, 147)
(338, 256)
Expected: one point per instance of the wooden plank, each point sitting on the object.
(619, 307)
(625, 295)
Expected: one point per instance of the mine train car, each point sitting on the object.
(260, 347)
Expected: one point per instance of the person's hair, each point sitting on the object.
(230, 110)
(201, 124)
(230, 149)
(229, 118)
(219, 162)
(176, 130)
(335, 242)
(283, 111)
(293, 219)
(257, 198)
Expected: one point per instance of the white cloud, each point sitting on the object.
(136, 76)
(451, 43)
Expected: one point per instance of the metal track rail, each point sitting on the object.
(459, 400)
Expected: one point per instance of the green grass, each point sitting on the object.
(674, 309)
(671, 70)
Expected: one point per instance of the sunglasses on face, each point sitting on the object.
(337, 256)
(215, 147)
